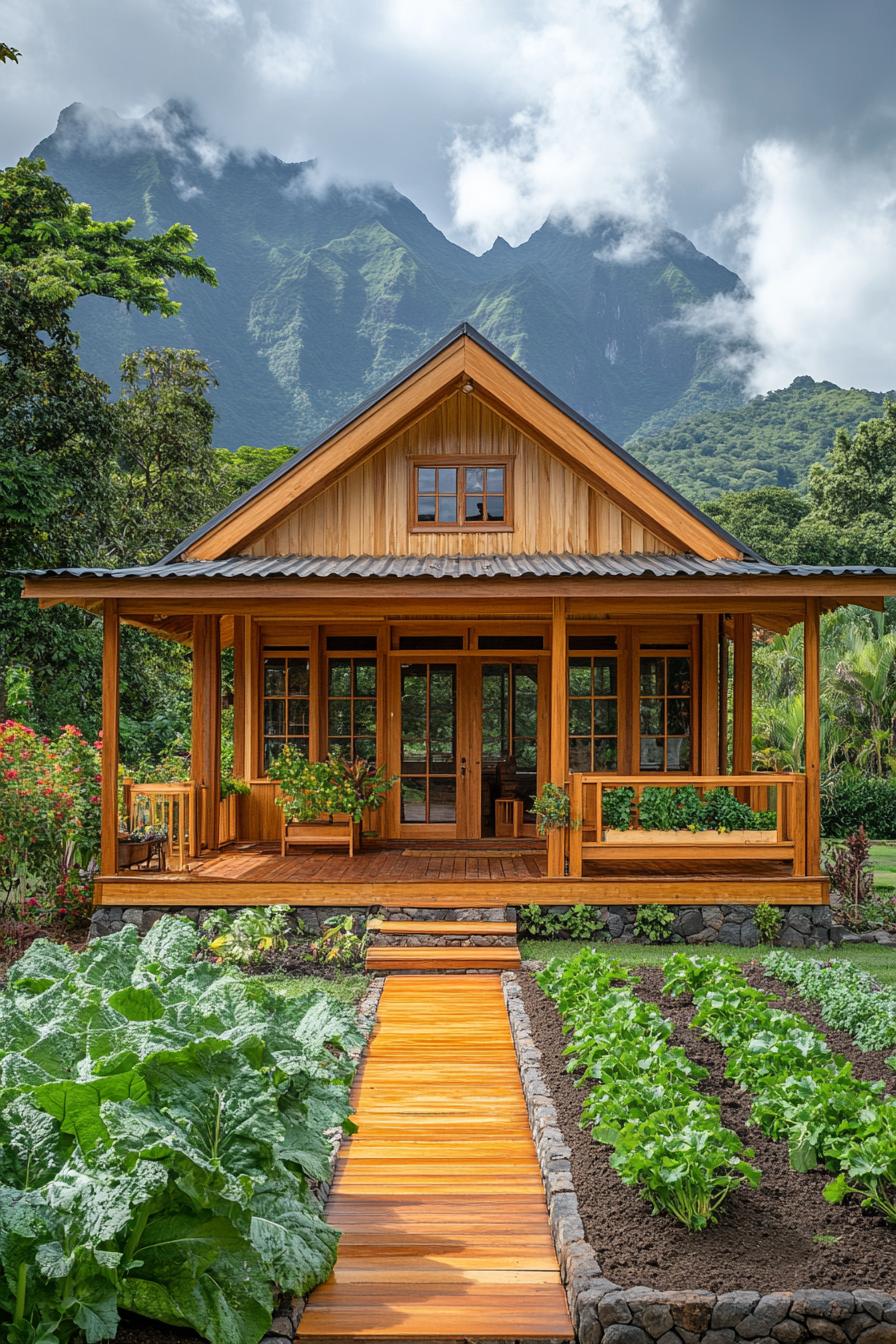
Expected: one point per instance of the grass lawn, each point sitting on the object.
(878, 961)
(346, 988)
(883, 861)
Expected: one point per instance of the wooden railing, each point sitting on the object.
(785, 794)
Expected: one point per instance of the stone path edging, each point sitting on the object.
(605, 1313)
(287, 1317)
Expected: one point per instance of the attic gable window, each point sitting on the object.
(450, 496)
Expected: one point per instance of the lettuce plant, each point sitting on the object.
(803, 1093)
(668, 1139)
(162, 1120)
(849, 999)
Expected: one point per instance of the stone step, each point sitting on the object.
(442, 958)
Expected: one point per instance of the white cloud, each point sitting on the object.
(815, 241)
(594, 87)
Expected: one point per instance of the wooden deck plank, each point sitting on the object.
(439, 1197)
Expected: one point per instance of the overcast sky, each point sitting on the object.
(763, 129)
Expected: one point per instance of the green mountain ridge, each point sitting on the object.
(771, 440)
(325, 294)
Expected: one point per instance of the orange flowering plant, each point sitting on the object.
(49, 820)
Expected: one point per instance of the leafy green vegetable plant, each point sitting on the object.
(803, 1093)
(161, 1122)
(849, 999)
(584, 922)
(339, 944)
(616, 807)
(768, 921)
(246, 938)
(654, 922)
(667, 1138)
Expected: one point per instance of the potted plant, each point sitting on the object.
(231, 789)
(139, 846)
(322, 802)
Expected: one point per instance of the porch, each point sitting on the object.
(456, 874)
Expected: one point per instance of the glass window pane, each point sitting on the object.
(298, 676)
(274, 717)
(605, 676)
(426, 480)
(580, 676)
(494, 508)
(580, 717)
(474, 479)
(679, 676)
(365, 676)
(605, 754)
(678, 753)
(580, 753)
(447, 480)
(447, 509)
(604, 716)
(526, 753)
(340, 680)
(652, 716)
(653, 680)
(413, 800)
(651, 753)
(366, 747)
(678, 716)
(426, 509)
(275, 676)
(473, 512)
(339, 717)
(297, 719)
(272, 749)
(365, 717)
(494, 480)
(442, 796)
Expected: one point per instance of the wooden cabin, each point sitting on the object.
(468, 582)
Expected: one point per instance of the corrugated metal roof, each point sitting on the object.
(540, 566)
(464, 329)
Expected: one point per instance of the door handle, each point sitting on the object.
(463, 766)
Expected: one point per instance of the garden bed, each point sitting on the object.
(766, 1239)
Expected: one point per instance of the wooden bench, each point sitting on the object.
(338, 830)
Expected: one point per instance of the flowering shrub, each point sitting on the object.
(49, 820)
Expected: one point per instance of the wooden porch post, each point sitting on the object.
(812, 732)
(709, 695)
(559, 725)
(723, 697)
(742, 753)
(206, 728)
(111, 692)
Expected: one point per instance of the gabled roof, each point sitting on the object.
(464, 354)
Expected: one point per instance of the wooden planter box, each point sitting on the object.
(686, 838)
(338, 830)
(132, 852)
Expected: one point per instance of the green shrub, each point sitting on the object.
(161, 1122)
(244, 939)
(617, 807)
(768, 921)
(850, 800)
(654, 922)
(581, 922)
(584, 923)
(539, 921)
(683, 809)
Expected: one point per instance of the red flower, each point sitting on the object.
(10, 774)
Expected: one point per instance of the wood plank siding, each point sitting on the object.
(556, 508)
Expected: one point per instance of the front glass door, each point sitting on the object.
(509, 757)
(429, 756)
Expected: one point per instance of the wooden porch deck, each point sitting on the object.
(454, 874)
(439, 1196)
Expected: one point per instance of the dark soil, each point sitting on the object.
(765, 1238)
(17, 935)
(297, 960)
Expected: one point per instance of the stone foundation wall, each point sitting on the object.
(604, 1312)
(803, 926)
(111, 918)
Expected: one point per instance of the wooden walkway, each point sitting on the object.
(444, 1227)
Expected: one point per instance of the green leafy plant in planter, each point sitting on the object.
(768, 922)
(246, 938)
(231, 786)
(678, 809)
(616, 808)
(654, 922)
(552, 810)
(337, 785)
